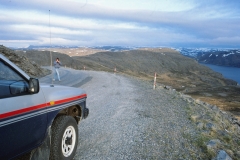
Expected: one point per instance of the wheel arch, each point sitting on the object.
(75, 111)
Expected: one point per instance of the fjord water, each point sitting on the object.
(227, 72)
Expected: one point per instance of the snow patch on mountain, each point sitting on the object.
(225, 55)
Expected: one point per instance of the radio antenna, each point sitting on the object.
(50, 47)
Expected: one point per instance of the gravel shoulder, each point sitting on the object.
(130, 120)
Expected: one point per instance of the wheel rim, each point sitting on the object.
(68, 141)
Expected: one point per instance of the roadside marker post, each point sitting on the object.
(115, 70)
(155, 79)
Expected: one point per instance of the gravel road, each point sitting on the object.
(128, 119)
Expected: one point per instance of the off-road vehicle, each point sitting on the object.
(38, 120)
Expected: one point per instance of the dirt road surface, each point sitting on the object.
(128, 119)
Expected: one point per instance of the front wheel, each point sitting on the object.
(64, 138)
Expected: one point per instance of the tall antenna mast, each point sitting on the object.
(50, 46)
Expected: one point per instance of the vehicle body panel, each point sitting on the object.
(23, 128)
(58, 92)
(25, 119)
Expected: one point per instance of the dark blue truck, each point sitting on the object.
(38, 121)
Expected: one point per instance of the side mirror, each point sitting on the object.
(33, 85)
(19, 87)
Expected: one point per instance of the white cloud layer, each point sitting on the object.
(172, 23)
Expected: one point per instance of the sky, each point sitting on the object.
(133, 23)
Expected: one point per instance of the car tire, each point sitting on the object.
(64, 138)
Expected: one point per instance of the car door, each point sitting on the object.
(22, 114)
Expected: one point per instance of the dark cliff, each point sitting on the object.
(28, 66)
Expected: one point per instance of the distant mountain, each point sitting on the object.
(54, 46)
(114, 48)
(221, 57)
(193, 52)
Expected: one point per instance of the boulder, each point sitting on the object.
(210, 126)
(168, 87)
(212, 144)
(200, 125)
(222, 155)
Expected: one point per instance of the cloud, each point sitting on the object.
(98, 22)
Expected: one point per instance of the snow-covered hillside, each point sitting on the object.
(223, 57)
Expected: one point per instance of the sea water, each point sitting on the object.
(227, 72)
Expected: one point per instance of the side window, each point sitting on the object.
(11, 83)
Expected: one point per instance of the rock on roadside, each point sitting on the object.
(222, 155)
(31, 68)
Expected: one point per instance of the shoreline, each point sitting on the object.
(234, 73)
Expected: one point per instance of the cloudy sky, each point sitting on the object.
(153, 23)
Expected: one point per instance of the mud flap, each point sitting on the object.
(43, 152)
(85, 113)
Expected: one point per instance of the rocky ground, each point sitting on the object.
(30, 67)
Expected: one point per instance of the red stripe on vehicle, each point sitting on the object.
(21, 111)
(40, 106)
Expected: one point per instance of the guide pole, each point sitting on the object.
(154, 82)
